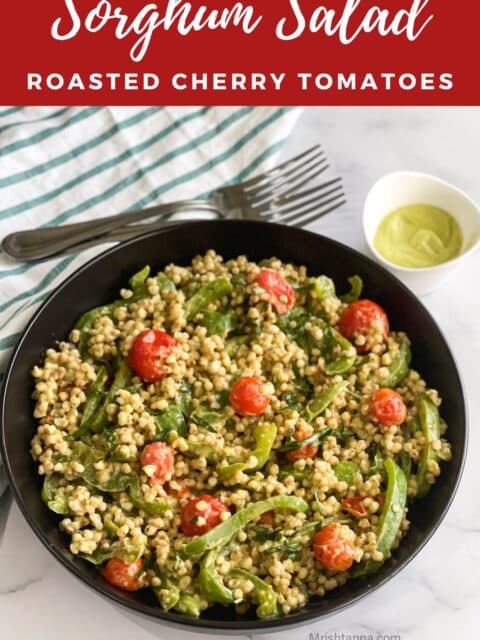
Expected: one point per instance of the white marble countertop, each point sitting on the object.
(438, 594)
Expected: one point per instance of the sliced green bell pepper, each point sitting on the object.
(399, 366)
(430, 422)
(153, 507)
(168, 594)
(392, 513)
(356, 287)
(207, 294)
(138, 279)
(211, 583)
(265, 435)
(263, 594)
(337, 364)
(222, 533)
(94, 398)
(346, 471)
(189, 605)
(318, 405)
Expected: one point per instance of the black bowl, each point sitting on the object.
(98, 282)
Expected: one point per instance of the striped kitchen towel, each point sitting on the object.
(69, 164)
(61, 165)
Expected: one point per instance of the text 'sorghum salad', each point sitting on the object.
(235, 433)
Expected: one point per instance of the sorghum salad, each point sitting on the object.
(235, 433)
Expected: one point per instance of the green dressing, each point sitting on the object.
(418, 235)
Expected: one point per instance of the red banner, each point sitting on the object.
(307, 52)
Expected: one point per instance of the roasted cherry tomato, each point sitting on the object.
(123, 574)
(248, 398)
(282, 294)
(267, 519)
(380, 498)
(387, 407)
(180, 493)
(355, 506)
(361, 318)
(201, 514)
(149, 350)
(333, 547)
(159, 456)
(308, 451)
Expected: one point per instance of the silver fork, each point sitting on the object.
(297, 209)
(269, 196)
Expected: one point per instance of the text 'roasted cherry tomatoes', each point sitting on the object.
(201, 514)
(123, 574)
(248, 397)
(361, 318)
(157, 458)
(308, 451)
(334, 548)
(149, 350)
(387, 407)
(282, 294)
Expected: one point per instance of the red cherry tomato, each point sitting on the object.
(308, 451)
(149, 350)
(282, 295)
(387, 407)
(201, 514)
(122, 574)
(362, 317)
(248, 398)
(356, 506)
(160, 456)
(333, 547)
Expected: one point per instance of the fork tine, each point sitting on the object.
(286, 173)
(317, 216)
(285, 186)
(251, 182)
(319, 209)
(292, 212)
(301, 203)
(291, 201)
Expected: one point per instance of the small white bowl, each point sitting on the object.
(402, 188)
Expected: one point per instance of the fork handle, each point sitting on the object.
(124, 233)
(35, 244)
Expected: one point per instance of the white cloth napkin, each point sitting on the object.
(60, 165)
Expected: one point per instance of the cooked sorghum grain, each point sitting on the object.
(96, 426)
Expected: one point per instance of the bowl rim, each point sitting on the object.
(435, 269)
(201, 625)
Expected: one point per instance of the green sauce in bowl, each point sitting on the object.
(419, 235)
